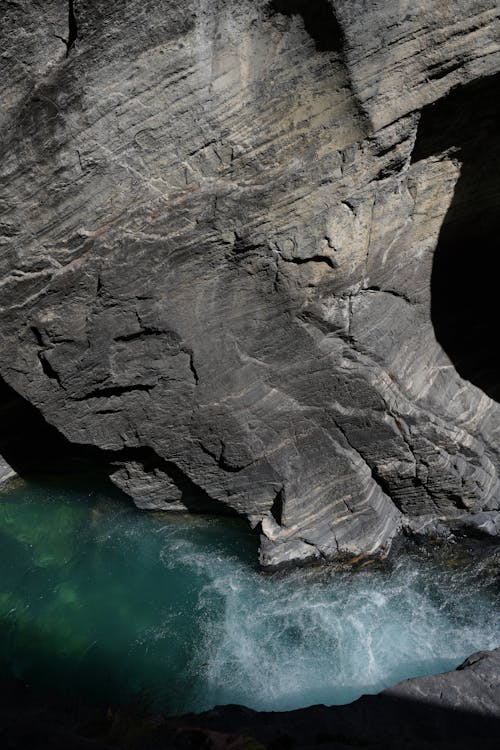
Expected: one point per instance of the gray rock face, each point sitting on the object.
(454, 711)
(474, 686)
(226, 233)
(7, 473)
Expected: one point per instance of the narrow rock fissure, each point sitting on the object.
(114, 390)
(312, 259)
(72, 31)
(438, 71)
(48, 369)
(392, 292)
(193, 368)
(72, 27)
(143, 333)
(278, 506)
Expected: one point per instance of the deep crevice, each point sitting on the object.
(319, 20)
(438, 71)
(143, 333)
(278, 506)
(72, 27)
(48, 369)
(38, 336)
(114, 390)
(391, 292)
(193, 368)
(466, 266)
(312, 259)
(72, 30)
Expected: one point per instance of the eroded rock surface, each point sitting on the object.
(218, 228)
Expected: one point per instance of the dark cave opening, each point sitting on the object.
(31, 445)
(319, 20)
(466, 266)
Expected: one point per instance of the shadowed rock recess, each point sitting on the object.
(247, 259)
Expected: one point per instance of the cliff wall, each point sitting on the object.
(247, 257)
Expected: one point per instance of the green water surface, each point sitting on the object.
(110, 603)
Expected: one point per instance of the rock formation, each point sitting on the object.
(247, 258)
(7, 473)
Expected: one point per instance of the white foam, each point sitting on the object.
(303, 638)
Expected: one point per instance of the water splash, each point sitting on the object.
(107, 602)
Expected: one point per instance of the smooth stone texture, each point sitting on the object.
(219, 222)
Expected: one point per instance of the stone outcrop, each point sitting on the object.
(243, 246)
(7, 473)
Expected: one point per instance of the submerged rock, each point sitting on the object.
(236, 258)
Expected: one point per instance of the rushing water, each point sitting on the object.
(107, 602)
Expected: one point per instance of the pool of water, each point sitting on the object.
(101, 600)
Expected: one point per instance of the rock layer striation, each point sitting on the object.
(234, 249)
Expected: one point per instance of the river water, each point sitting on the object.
(113, 604)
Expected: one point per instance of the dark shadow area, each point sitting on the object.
(374, 721)
(193, 497)
(319, 20)
(31, 446)
(466, 268)
(40, 719)
(72, 26)
(278, 505)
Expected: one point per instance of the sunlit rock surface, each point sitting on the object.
(218, 228)
(6, 472)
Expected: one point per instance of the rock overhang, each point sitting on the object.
(218, 263)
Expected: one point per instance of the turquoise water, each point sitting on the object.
(110, 603)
